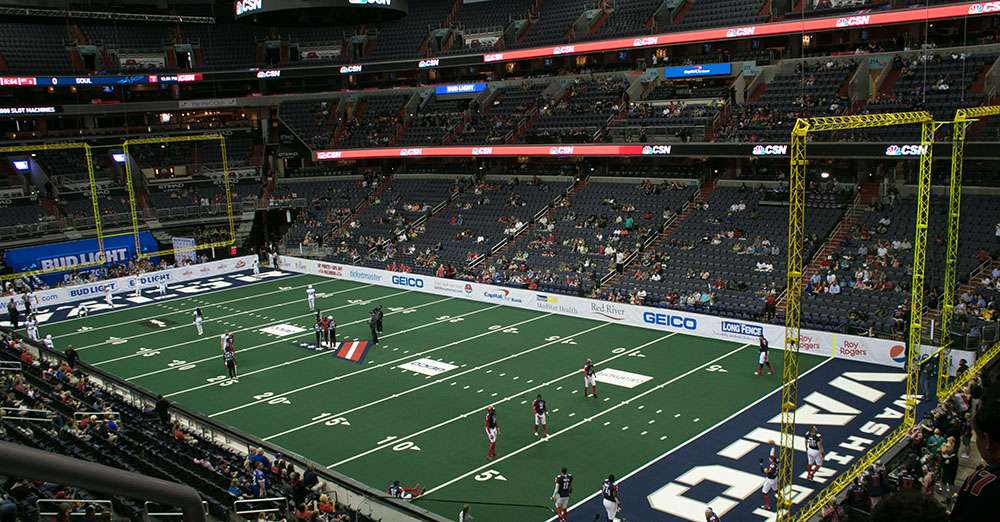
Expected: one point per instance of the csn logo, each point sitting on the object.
(565, 49)
(656, 150)
(433, 62)
(670, 321)
(642, 42)
(905, 150)
(411, 282)
(737, 32)
(851, 21)
(986, 7)
(248, 6)
(482, 151)
(770, 150)
(348, 69)
(560, 151)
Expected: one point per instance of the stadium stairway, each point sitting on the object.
(690, 208)
(861, 204)
(972, 286)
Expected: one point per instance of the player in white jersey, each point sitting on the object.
(32, 326)
(136, 285)
(814, 452)
(311, 297)
(107, 296)
(198, 320)
(162, 288)
(48, 342)
(255, 264)
(612, 501)
(770, 470)
(82, 310)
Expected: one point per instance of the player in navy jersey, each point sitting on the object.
(492, 428)
(539, 409)
(588, 378)
(814, 452)
(610, 497)
(770, 471)
(560, 495)
(710, 515)
(762, 357)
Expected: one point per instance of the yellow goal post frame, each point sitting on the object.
(166, 140)
(964, 118)
(86, 148)
(796, 232)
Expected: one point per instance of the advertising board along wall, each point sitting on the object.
(851, 347)
(120, 285)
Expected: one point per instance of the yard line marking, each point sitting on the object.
(501, 401)
(206, 321)
(696, 437)
(339, 377)
(300, 359)
(422, 386)
(518, 451)
(255, 327)
(193, 298)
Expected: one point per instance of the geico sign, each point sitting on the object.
(247, 6)
(905, 150)
(741, 31)
(851, 21)
(411, 282)
(640, 42)
(670, 321)
(770, 150)
(985, 7)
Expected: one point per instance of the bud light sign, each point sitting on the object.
(64, 257)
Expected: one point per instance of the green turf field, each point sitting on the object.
(377, 423)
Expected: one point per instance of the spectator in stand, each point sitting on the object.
(909, 506)
(162, 409)
(978, 496)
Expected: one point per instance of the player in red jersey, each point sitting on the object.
(540, 410)
(762, 359)
(492, 428)
(589, 378)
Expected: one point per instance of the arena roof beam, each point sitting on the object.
(100, 15)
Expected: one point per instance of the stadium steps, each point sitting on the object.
(507, 243)
(3, 63)
(832, 244)
(677, 17)
(606, 14)
(889, 82)
(972, 286)
(689, 210)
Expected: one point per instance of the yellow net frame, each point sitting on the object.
(946, 387)
(796, 232)
(17, 149)
(132, 201)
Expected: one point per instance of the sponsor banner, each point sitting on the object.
(283, 330)
(850, 347)
(482, 39)
(67, 255)
(208, 103)
(894, 16)
(28, 111)
(70, 294)
(621, 378)
(327, 52)
(141, 61)
(184, 249)
(698, 71)
(463, 88)
(428, 367)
